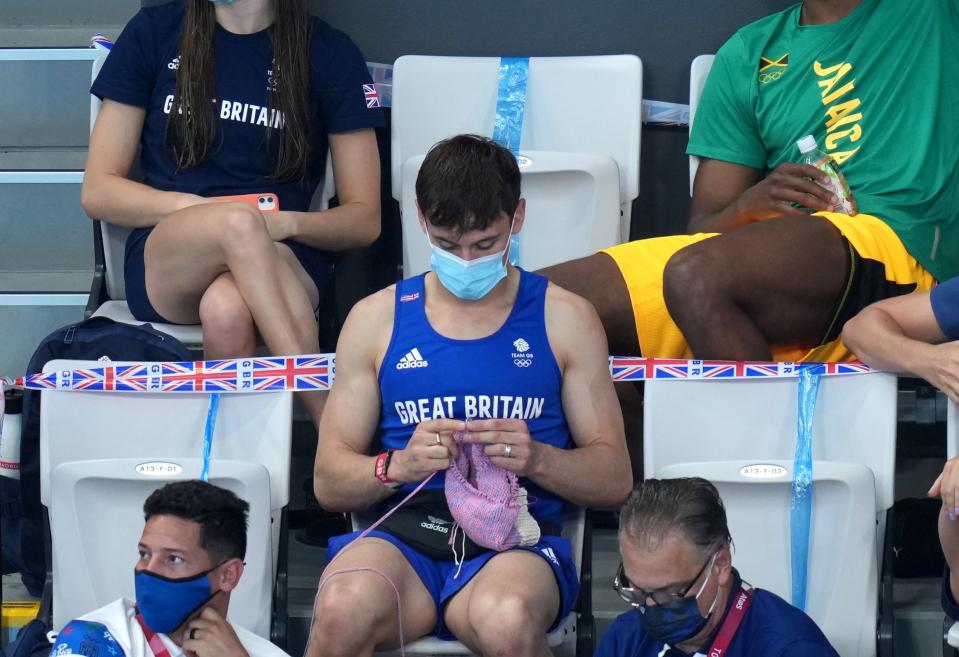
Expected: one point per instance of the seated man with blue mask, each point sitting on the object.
(475, 358)
(687, 598)
(191, 558)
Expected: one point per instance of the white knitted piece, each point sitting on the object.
(526, 525)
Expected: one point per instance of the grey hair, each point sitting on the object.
(691, 505)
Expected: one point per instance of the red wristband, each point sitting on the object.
(381, 465)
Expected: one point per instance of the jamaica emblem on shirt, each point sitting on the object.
(771, 69)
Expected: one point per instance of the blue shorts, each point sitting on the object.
(318, 264)
(438, 576)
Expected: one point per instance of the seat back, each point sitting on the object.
(698, 73)
(580, 139)
(101, 454)
(741, 434)
(718, 420)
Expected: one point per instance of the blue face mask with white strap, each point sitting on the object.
(166, 603)
(468, 279)
(678, 621)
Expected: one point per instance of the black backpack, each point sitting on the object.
(21, 520)
(31, 641)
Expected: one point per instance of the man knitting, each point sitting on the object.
(491, 366)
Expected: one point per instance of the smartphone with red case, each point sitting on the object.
(267, 202)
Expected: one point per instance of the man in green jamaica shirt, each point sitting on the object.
(769, 271)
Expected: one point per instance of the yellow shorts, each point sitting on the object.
(880, 267)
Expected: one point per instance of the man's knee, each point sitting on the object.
(507, 623)
(695, 273)
(344, 615)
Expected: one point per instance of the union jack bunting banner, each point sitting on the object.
(311, 372)
(317, 371)
(643, 369)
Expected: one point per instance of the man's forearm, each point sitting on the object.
(879, 341)
(589, 476)
(344, 481)
(718, 222)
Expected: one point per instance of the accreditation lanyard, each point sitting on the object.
(156, 643)
(733, 620)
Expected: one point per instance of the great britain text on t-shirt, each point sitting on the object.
(414, 411)
(235, 110)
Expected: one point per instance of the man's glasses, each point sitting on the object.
(638, 598)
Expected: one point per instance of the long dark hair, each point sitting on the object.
(191, 125)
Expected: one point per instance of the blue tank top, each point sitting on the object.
(509, 374)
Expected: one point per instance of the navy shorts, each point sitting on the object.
(439, 576)
(318, 264)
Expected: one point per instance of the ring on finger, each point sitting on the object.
(508, 450)
(439, 440)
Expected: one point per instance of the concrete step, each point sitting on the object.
(39, 158)
(46, 104)
(56, 23)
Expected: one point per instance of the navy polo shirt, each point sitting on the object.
(945, 306)
(141, 71)
(771, 628)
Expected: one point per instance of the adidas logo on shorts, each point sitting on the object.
(411, 360)
(436, 524)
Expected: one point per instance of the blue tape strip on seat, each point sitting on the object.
(208, 435)
(802, 488)
(510, 114)
(511, 102)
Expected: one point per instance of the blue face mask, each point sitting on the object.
(468, 279)
(514, 250)
(678, 621)
(165, 603)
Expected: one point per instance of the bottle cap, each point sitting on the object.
(807, 144)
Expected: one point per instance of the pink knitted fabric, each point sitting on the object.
(482, 498)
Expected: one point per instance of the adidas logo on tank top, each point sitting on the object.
(413, 359)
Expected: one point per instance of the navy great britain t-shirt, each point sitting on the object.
(141, 71)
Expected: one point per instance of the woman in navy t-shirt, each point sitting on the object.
(234, 99)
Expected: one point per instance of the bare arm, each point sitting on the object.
(596, 472)
(728, 195)
(355, 221)
(343, 472)
(343, 477)
(108, 193)
(901, 335)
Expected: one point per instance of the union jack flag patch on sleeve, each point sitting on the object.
(371, 95)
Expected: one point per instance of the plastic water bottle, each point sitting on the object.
(10, 415)
(837, 182)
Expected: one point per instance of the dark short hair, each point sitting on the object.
(691, 505)
(466, 181)
(222, 515)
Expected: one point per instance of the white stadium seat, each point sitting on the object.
(579, 148)
(741, 435)
(101, 456)
(698, 72)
